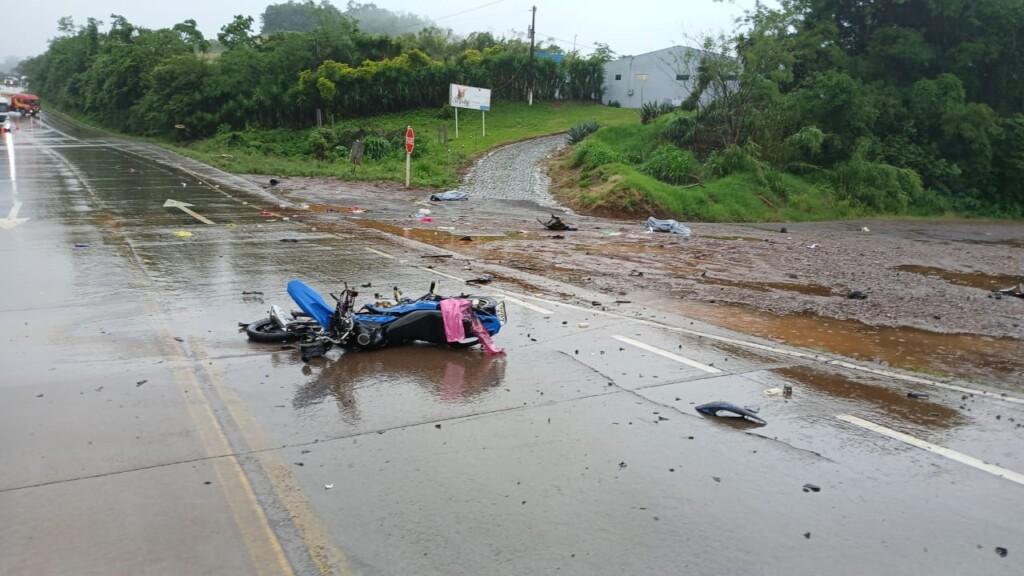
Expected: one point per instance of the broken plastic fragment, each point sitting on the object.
(183, 234)
(716, 409)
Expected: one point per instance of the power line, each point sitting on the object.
(453, 15)
(468, 10)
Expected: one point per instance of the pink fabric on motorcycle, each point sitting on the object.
(455, 311)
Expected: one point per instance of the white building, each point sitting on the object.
(667, 75)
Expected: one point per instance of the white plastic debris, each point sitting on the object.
(328, 486)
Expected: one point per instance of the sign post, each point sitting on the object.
(410, 143)
(460, 96)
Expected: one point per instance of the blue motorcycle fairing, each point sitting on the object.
(401, 309)
(311, 302)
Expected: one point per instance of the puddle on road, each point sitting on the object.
(999, 361)
(807, 289)
(448, 376)
(440, 238)
(890, 401)
(987, 282)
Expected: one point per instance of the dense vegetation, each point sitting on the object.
(305, 16)
(173, 82)
(326, 151)
(842, 107)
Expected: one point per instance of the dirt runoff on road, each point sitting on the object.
(914, 294)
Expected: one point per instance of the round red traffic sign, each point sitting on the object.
(410, 140)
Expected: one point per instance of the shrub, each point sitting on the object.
(580, 131)
(319, 143)
(805, 145)
(651, 110)
(876, 186)
(672, 165)
(679, 129)
(734, 159)
(614, 104)
(593, 153)
(376, 147)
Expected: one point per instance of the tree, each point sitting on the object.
(190, 35)
(237, 33)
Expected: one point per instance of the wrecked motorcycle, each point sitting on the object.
(319, 327)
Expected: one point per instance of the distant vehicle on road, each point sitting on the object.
(5, 122)
(27, 104)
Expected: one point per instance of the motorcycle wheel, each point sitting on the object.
(268, 332)
(462, 344)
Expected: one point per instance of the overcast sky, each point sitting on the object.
(630, 26)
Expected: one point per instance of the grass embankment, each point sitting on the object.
(294, 152)
(635, 170)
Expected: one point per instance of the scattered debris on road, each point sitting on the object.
(917, 395)
(717, 409)
(81, 245)
(485, 279)
(856, 295)
(1002, 552)
(556, 223)
(449, 196)
(812, 488)
(667, 226)
(140, 383)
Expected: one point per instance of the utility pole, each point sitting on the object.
(533, 37)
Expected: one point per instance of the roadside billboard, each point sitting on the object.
(460, 96)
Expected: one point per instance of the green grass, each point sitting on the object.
(606, 174)
(286, 153)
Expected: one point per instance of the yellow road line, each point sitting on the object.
(265, 550)
(327, 556)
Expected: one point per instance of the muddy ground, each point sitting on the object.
(927, 284)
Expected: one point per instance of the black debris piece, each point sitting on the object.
(485, 279)
(292, 240)
(140, 383)
(1002, 552)
(730, 411)
(812, 488)
(917, 395)
(556, 223)
(856, 295)
(253, 293)
(274, 182)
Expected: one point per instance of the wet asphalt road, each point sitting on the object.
(140, 433)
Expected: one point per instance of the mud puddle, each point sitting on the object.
(999, 361)
(450, 239)
(806, 289)
(901, 409)
(978, 280)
